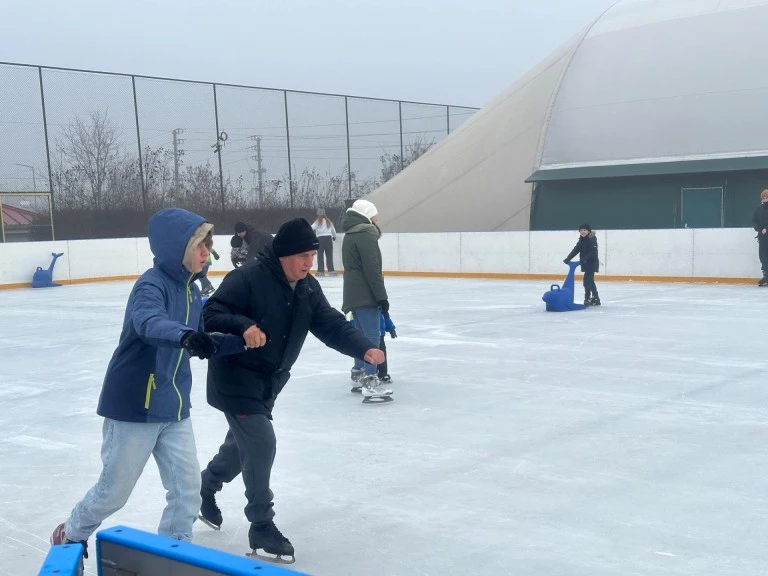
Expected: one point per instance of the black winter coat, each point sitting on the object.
(760, 217)
(586, 248)
(256, 240)
(259, 294)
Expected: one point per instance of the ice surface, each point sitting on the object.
(629, 439)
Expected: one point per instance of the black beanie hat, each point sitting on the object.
(294, 237)
(585, 227)
(240, 227)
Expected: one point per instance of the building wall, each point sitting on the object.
(649, 202)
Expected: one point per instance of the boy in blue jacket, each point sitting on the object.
(145, 395)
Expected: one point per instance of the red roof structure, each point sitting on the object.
(13, 216)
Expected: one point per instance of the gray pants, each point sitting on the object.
(249, 447)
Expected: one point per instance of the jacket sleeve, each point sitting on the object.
(226, 311)
(756, 219)
(370, 258)
(331, 327)
(573, 252)
(150, 317)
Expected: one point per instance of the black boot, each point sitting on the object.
(595, 300)
(763, 281)
(209, 511)
(587, 299)
(265, 536)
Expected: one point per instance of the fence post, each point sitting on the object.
(47, 147)
(138, 142)
(402, 153)
(288, 144)
(219, 149)
(349, 154)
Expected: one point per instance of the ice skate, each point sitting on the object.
(374, 391)
(386, 379)
(587, 301)
(595, 301)
(763, 281)
(267, 543)
(209, 511)
(59, 537)
(356, 375)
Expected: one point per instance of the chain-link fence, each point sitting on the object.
(111, 149)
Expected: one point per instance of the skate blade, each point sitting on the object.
(377, 399)
(211, 524)
(277, 559)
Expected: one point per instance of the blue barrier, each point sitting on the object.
(64, 560)
(122, 550)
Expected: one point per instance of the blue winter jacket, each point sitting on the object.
(148, 378)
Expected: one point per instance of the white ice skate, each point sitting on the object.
(356, 375)
(374, 391)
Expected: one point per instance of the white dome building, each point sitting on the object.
(653, 117)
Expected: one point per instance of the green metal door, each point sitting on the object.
(702, 207)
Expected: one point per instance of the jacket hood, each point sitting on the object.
(170, 231)
(354, 222)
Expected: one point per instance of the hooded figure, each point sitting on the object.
(145, 395)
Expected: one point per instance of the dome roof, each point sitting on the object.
(649, 81)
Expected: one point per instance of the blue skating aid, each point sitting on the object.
(44, 278)
(561, 299)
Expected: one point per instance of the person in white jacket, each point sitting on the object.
(326, 234)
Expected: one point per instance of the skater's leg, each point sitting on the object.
(176, 457)
(125, 449)
(763, 253)
(320, 260)
(256, 445)
(224, 467)
(329, 253)
(367, 319)
(382, 368)
(587, 281)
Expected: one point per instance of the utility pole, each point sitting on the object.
(260, 170)
(177, 153)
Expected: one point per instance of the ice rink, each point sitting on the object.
(628, 439)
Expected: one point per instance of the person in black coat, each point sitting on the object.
(586, 248)
(246, 243)
(760, 224)
(272, 303)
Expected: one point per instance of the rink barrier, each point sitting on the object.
(725, 256)
(123, 551)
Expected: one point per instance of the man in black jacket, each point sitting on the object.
(760, 224)
(273, 303)
(246, 243)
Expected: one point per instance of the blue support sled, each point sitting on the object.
(63, 560)
(561, 299)
(44, 278)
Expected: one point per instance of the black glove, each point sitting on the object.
(215, 254)
(392, 334)
(199, 344)
(384, 305)
(566, 261)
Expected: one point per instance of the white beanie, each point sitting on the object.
(364, 208)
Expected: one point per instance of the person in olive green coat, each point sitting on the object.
(364, 293)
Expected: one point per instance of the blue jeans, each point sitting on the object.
(367, 321)
(125, 450)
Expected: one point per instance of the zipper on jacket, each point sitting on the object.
(150, 386)
(181, 352)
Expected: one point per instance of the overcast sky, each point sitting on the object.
(444, 51)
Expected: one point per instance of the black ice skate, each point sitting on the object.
(763, 281)
(386, 378)
(267, 543)
(356, 375)
(595, 301)
(209, 511)
(587, 301)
